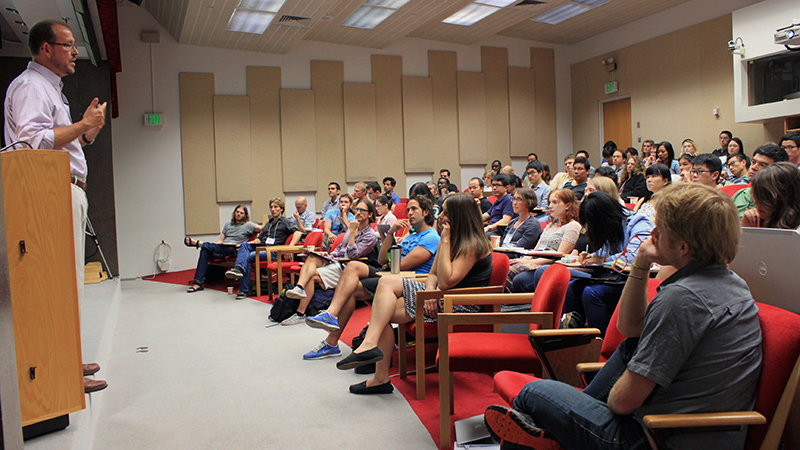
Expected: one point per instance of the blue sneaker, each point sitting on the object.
(324, 321)
(323, 350)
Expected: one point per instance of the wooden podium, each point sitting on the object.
(44, 296)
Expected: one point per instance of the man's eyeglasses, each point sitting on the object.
(69, 47)
(699, 171)
(788, 147)
(362, 210)
(497, 184)
(516, 199)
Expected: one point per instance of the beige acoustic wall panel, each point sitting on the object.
(544, 85)
(264, 90)
(298, 140)
(418, 125)
(360, 133)
(521, 110)
(472, 117)
(326, 81)
(387, 76)
(442, 69)
(234, 164)
(494, 64)
(200, 208)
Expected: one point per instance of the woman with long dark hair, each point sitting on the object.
(666, 156)
(632, 182)
(776, 195)
(463, 259)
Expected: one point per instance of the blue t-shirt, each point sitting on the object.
(502, 207)
(428, 239)
(337, 227)
(395, 198)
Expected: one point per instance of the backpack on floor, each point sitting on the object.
(321, 300)
(283, 307)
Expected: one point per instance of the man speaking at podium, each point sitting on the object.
(37, 112)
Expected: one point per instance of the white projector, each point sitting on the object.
(789, 35)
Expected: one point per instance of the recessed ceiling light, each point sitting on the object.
(12, 10)
(262, 5)
(367, 17)
(245, 21)
(592, 2)
(497, 3)
(19, 22)
(470, 14)
(561, 13)
(394, 4)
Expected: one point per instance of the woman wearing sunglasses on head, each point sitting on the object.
(615, 233)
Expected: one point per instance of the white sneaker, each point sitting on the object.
(296, 292)
(294, 319)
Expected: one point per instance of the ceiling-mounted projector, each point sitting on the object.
(789, 35)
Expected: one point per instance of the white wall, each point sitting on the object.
(147, 162)
(756, 26)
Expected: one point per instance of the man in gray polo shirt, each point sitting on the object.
(696, 348)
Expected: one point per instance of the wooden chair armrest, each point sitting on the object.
(486, 299)
(590, 367)
(544, 319)
(721, 419)
(566, 332)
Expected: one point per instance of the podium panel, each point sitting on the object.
(44, 297)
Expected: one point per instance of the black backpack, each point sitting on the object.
(284, 307)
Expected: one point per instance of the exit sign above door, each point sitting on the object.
(612, 87)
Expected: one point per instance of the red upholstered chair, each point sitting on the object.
(400, 211)
(259, 264)
(419, 329)
(336, 242)
(492, 352)
(314, 239)
(733, 188)
(492, 199)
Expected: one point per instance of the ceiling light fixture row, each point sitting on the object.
(254, 16)
(372, 13)
(480, 9)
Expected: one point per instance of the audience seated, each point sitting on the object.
(685, 167)
(688, 146)
(724, 140)
(762, 157)
(561, 178)
(389, 184)
(373, 190)
(514, 183)
(383, 210)
(791, 143)
(302, 216)
(274, 232)
(445, 173)
(605, 171)
(487, 181)
(524, 230)
(336, 220)
(603, 184)
(737, 166)
(501, 212)
(560, 235)
(535, 171)
(649, 152)
(617, 233)
(476, 191)
(235, 232)
(359, 281)
(666, 156)
(463, 259)
(359, 240)
(630, 152)
(443, 188)
(706, 169)
(658, 177)
(632, 183)
(618, 163)
(580, 175)
(495, 167)
(333, 202)
(359, 191)
(531, 158)
(776, 197)
(695, 348)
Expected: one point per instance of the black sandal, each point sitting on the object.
(194, 286)
(187, 241)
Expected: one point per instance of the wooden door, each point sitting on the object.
(617, 123)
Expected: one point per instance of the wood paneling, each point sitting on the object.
(197, 153)
(544, 79)
(442, 69)
(326, 81)
(359, 133)
(494, 64)
(387, 76)
(234, 166)
(298, 140)
(264, 90)
(617, 122)
(418, 124)
(521, 110)
(472, 117)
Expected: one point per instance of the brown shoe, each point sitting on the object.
(90, 385)
(514, 430)
(90, 369)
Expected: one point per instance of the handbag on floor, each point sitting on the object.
(283, 307)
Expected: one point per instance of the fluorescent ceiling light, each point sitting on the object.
(561, 13)
(592, 2)
(394, 4)
(470, 14)
(255, 22)
(497, 3)
(367, 17)
(262, 5)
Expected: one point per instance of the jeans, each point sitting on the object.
(209, 251)
(528, 280)
(245, 260)
(594, 301)
(582, 420)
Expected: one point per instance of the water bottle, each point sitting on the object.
(394, 257)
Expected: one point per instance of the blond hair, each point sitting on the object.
(606, 185)
(703, 217)
(280, 203)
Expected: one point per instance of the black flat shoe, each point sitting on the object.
(363, 389)
(360, 359)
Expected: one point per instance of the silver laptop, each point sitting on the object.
(768, 261)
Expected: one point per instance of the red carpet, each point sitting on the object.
(473, 391)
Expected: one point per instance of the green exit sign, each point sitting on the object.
(153, 120)
(612, 87)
